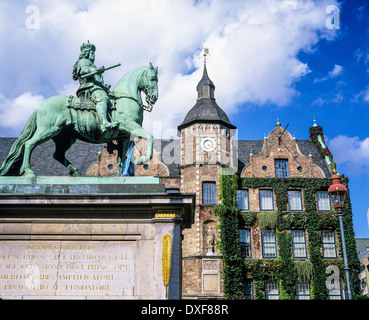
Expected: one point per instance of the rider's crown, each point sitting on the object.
(88, 46)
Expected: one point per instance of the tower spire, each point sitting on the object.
(205, 53)
(205, 87)
(206, 108)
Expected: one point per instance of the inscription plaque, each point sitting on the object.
(67, 268)
(210, 276)
(210, 282)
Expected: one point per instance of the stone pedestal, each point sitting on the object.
(71, 240)
(209, 251)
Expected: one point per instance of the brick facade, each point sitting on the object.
(281, 145)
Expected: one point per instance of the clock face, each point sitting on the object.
(208, 144)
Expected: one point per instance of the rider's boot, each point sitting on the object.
(102, 109)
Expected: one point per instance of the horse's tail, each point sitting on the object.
(13, 161)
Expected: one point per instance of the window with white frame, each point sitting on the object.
(328, 244)
(243, 199)
(299, 243)
(269, 244)
(271, 290)
(245, 243)
(294, 200)
(323, 200)
(281, 168)
(248, 289)
(208, 193)
(266, 199)
(303, 290)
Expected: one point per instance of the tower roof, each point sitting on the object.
(206, 109)
(205, 80)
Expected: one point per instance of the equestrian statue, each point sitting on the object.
(95, 115)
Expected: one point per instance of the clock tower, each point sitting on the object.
(206, 145)
(206, 132)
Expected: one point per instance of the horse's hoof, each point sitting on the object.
(28, 173)
(73, 171)
(77, 174)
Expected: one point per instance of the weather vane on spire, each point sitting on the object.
(206, 52)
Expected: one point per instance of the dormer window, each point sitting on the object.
(205, 92)
(281, 168)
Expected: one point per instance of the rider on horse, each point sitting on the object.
(94, 83)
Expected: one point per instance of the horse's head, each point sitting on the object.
(149, 84)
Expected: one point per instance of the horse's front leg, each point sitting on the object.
(122, 148)
(139, 132)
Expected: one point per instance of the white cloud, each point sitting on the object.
(319, 101)
(366, 94)
(254, 47)
(15, 112)
(351, 152)
(361, 95)
(337, 70)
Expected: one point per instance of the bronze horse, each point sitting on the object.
(55, 120)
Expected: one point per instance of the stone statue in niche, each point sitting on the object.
(210, 241)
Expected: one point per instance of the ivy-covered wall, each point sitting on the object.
(228, 215)
(284, 269)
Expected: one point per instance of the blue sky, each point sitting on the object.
(268, 59)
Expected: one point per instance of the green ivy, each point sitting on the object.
(293, 219)
(304, 269)
(267, 220)
(283, 268)
(288, 273)
(228, 215)
(249, 218)
(264, 269)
